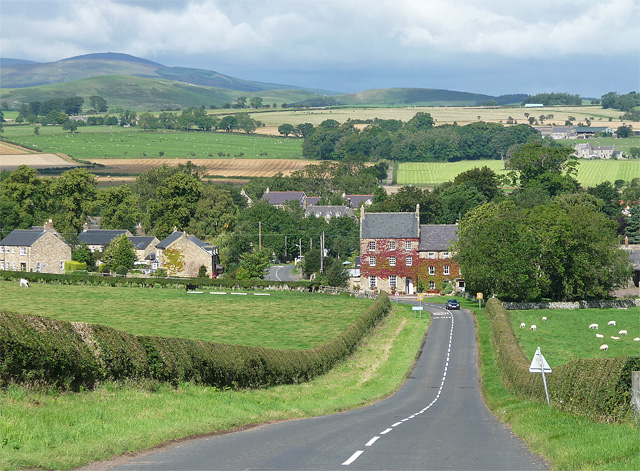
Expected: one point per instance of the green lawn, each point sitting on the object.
(282, 320)
(97, 142)
(566, 334)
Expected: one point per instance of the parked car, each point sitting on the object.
(453, 304)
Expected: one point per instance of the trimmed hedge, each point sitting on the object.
(591, 386)
(68, 355)
(152, 282)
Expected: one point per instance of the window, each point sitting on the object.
(13, 266)
(392, 282)
(432, 285)
(432, 255)
(23, 251)
(1, 248)
(13, 250)
(446, 255)
(1, 265)
(392, 245)
(432, 270)
(372, 245)
(445, 270)
(409, 261)
(23, 266)
(61, 264)
(372, 261)
(373, 282)
(407, 245)
(392, 261)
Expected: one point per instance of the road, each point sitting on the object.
(281, 273)
(437, 420)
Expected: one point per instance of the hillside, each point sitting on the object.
(423, 97)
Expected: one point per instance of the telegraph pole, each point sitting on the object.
(260, 235)
(322, 253)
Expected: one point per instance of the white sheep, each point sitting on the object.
(594, 326)
(613, 323)
(637, 339)
(523, 325)
(615, 338)
(604, 347)
(600, 336)
(623, 332)
(533, 327)
(544, 319)
(24, 282)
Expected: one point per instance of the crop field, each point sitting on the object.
(99, 142)
(566, 335)
(590, 172)
(282, 320)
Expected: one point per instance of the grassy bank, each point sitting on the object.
(62, 431)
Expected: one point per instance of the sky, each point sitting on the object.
(495, 47)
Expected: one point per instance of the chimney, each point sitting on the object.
(626, 241)
(418, 211)
(139, 230)
(48, 226)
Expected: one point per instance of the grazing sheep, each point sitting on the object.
(623, 332)
(24, 283)
(594, 326)
(600, 336)
(604, 347)
(637, 339)
(615, 338)
(613, 323)
(533, 327)
(544, 319)
(523, 325)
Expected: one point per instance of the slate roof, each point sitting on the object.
(22, 237)
(355, 200)
(437, 237)
(634, 258)
(164, 243)
(312, 200)
(282, 197)
(100, 236)
(141, 242)
(389, 226)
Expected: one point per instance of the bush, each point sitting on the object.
(202, 272)
(104, 268)
(122, 270)
(71, 265)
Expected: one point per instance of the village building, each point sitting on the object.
(190, 252)
(98, 239)
(589, 152)
(35, 250)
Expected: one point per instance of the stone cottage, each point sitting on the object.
(37, 250)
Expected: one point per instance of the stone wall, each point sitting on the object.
(618, 303)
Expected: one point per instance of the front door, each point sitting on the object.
(409, 286)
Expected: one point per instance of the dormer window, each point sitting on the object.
(432, 255)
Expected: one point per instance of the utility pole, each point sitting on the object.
(310, 243)
(285, 248)
(322, 253)
(260, 235)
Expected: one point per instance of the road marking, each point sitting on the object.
(353, 458)
(384, 432)
(396, 424)
(372, 441)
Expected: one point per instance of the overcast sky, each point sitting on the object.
(589, 47)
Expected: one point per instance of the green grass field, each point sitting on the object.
(590, 172)
(566, 335)
(282, 320)
(97, 142)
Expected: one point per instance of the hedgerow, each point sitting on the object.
(597, 387)
(69, 355)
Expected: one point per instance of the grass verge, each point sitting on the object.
(567, 440)
(45, 429)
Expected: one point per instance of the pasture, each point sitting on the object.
(100, 142)
(590, 172)
(566, 335)
(282, 320)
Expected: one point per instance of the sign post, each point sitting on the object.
(479, 296)
(540, 365)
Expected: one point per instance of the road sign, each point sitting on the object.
(417, 309)
(538, 364)
(479, 295)
(420, 297)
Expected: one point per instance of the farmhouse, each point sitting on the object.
(98, 239)
(328, 212)
(183, 255)
(399, 254)
(280, 198)
(40, 250)
(587, 151)
(145, 250)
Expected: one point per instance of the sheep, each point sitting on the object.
(24, 282)
(594, 326)
(600, 336)
(604, 347)
(613, 323)
(533, 327)
(623, 332)
(637, 339)
(544, 319)
(615, 338)
(523, 325)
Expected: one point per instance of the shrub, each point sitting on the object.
(71, 265)
(202, 272)
(122, 270)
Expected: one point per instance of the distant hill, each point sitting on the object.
(8, 61)
(423, 97)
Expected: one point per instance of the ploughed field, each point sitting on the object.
(283, 320)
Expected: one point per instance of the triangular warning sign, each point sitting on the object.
(538, 364)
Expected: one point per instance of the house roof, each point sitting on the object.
(141, 242)
(355, 200)
(100, 236)
(324, 211)
(282, 197)
(390, 225)
(164, 243)
(634, 258)
(312, 200)
(22, 237)
(437, 237)
(589, 129)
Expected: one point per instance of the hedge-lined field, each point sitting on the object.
(566, 336)
(598, 387)
(70, 355)
(283, 320)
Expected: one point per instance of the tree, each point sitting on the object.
(624, 132)
(24, 200)
(286, 129)
(72, 105)
(119, 208)
(483, 179)
(148, 122)
(174, 205)
(84, 254)
(228, 123)
(74, 199)
(335, 273)
(420, 121)
(215, 213)
(173, 261)
(120, 252)
(246, 123)
(241, 102)
(253, 265)
(255, 102)
(70, 125)
(533, 159)
(304, 129)
(632, 230)
(98, 103)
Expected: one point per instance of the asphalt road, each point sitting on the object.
(281, 273)
(437, 420)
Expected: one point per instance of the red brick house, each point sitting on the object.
(399, 254)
